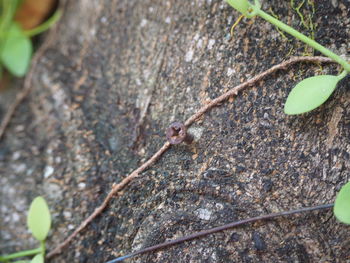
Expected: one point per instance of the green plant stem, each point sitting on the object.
(7, 13)
(21, 254)
(44, 26)
(43, 247)
(304, 38)
(342, 75)
(8, 9)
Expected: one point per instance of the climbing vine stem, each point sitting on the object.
(305, 39)
(116, 188)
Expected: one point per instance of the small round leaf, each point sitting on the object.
(310, 93)
(39, 218)
(16, 51)
(240, 5)
(342, 204)
(38, 259)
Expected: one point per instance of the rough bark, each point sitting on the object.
(103, 94)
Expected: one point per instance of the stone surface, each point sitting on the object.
(118, 73)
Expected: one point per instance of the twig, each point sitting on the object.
(117, 187)
(234, 91)
(220, 228)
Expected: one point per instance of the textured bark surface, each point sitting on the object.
(117, 74)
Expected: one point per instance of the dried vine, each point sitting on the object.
(232, 92)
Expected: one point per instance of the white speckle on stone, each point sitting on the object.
(48, 171)
(16, 156)
(334, 3)
(196, 37)
(147, 73)
(81, 185)
(230, 71)
(104, 20)
(30, 171)
(189, 55)
(59, 98)
(143, 22)
(53, 190)
(20, 168)
(345, 57)
(3, 209)
(19, 128)
(214, 256)
(138, 82)
(200, 43)
(81, 39)
(219, 206)
(113, 142)
(168, 20)
(67, 214)
(196, 132)
(20, 205)
(58, 159)
(15, 217)
(6, 235)
(211, 43)
(204, 214)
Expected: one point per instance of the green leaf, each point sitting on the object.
(16, 51)
(342, 204)
(310, 93)
(240, 5)
(38, 259)
(39, 218)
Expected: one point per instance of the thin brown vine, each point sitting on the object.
(232, 92)
(221, 228)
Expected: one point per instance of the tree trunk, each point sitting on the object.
(118, 73)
